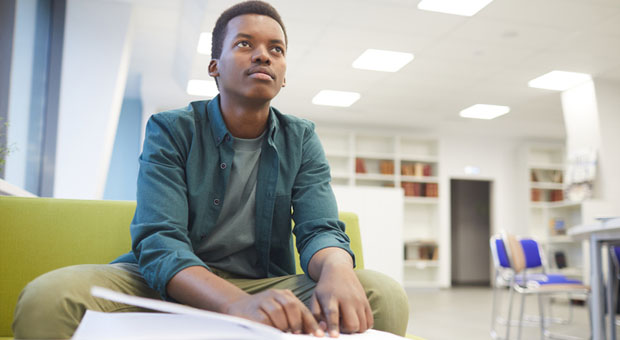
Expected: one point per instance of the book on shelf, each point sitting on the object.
(557, 226)
(427, 170)
(386, 167)
(360, 166)
(557, 195)
(413, 189)
(421, 250)
(536, 195)
(432, 190)
(545, 175)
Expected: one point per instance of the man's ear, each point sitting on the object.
(213, 68)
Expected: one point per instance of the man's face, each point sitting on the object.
(253, 63)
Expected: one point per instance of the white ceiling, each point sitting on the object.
(459, 61)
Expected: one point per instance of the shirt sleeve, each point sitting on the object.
(159, 230)
(315, 211)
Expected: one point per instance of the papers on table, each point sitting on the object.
(182, 323)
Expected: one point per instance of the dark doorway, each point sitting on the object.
(470, 204)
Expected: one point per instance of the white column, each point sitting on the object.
(592, 120)
(96, 53)
(608, 100)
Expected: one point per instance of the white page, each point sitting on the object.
(184, 323)
(160, 326)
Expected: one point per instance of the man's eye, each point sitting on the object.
(243, 44)
(278, 49)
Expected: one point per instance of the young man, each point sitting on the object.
(212, 227)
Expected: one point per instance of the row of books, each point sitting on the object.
(544, 175)
(421, 252)
(414, 189)
(387, 168)
(539, 195)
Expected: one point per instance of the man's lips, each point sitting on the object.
(261, 73)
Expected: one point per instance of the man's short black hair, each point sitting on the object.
(247, 7)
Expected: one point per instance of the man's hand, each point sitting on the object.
(277, 308)
(198, 287)
(339, 299)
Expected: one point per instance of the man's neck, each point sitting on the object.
(244, 119)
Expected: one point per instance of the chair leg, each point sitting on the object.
(613, 283)
(510, 299)
(521, 317)
(542, 316)
(494, 310)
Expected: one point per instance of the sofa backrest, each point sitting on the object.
(38, 235)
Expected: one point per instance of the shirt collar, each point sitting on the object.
(220, 131)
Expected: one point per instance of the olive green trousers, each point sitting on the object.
(52, 305)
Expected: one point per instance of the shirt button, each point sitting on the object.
(216, 201)
(223, 166)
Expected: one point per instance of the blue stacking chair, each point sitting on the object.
(524, 255)
(504, 277)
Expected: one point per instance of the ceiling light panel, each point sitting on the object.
(202, 88)
(559, 80)
(484, 111)
(204, 43)
(456, 7)
(381, 60)
(335, 98)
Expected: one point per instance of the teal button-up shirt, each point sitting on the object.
(184, 170)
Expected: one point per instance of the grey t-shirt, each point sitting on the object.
(230, 245)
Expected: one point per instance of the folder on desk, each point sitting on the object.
(182, 322)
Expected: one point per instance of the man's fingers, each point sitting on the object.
(276, 314)
(361, 317)
(293, 310)
(370, 320)
(310, 324)
(350, 322)
(329, 307)
(315, 308)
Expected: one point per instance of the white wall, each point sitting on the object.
(380, 213)
(592, 119)
(497, 161)
(96, 55)
(608, 100)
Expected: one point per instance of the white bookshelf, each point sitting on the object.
(345, 148)
(549, 212)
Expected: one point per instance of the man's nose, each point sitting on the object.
(261, 56)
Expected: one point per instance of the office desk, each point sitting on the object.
(606, 231)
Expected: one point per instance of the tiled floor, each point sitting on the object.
(465, 313)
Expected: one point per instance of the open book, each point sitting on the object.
(183, 323)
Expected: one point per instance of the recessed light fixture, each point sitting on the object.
(484, 111)
(204, 43)
(457, 7)
(203, 88)
(335, 98)
(381, 60)
(559, 80)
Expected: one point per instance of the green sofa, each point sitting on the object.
(38, 235)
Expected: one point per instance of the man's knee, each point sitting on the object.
(49, 305)
(388, 301)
